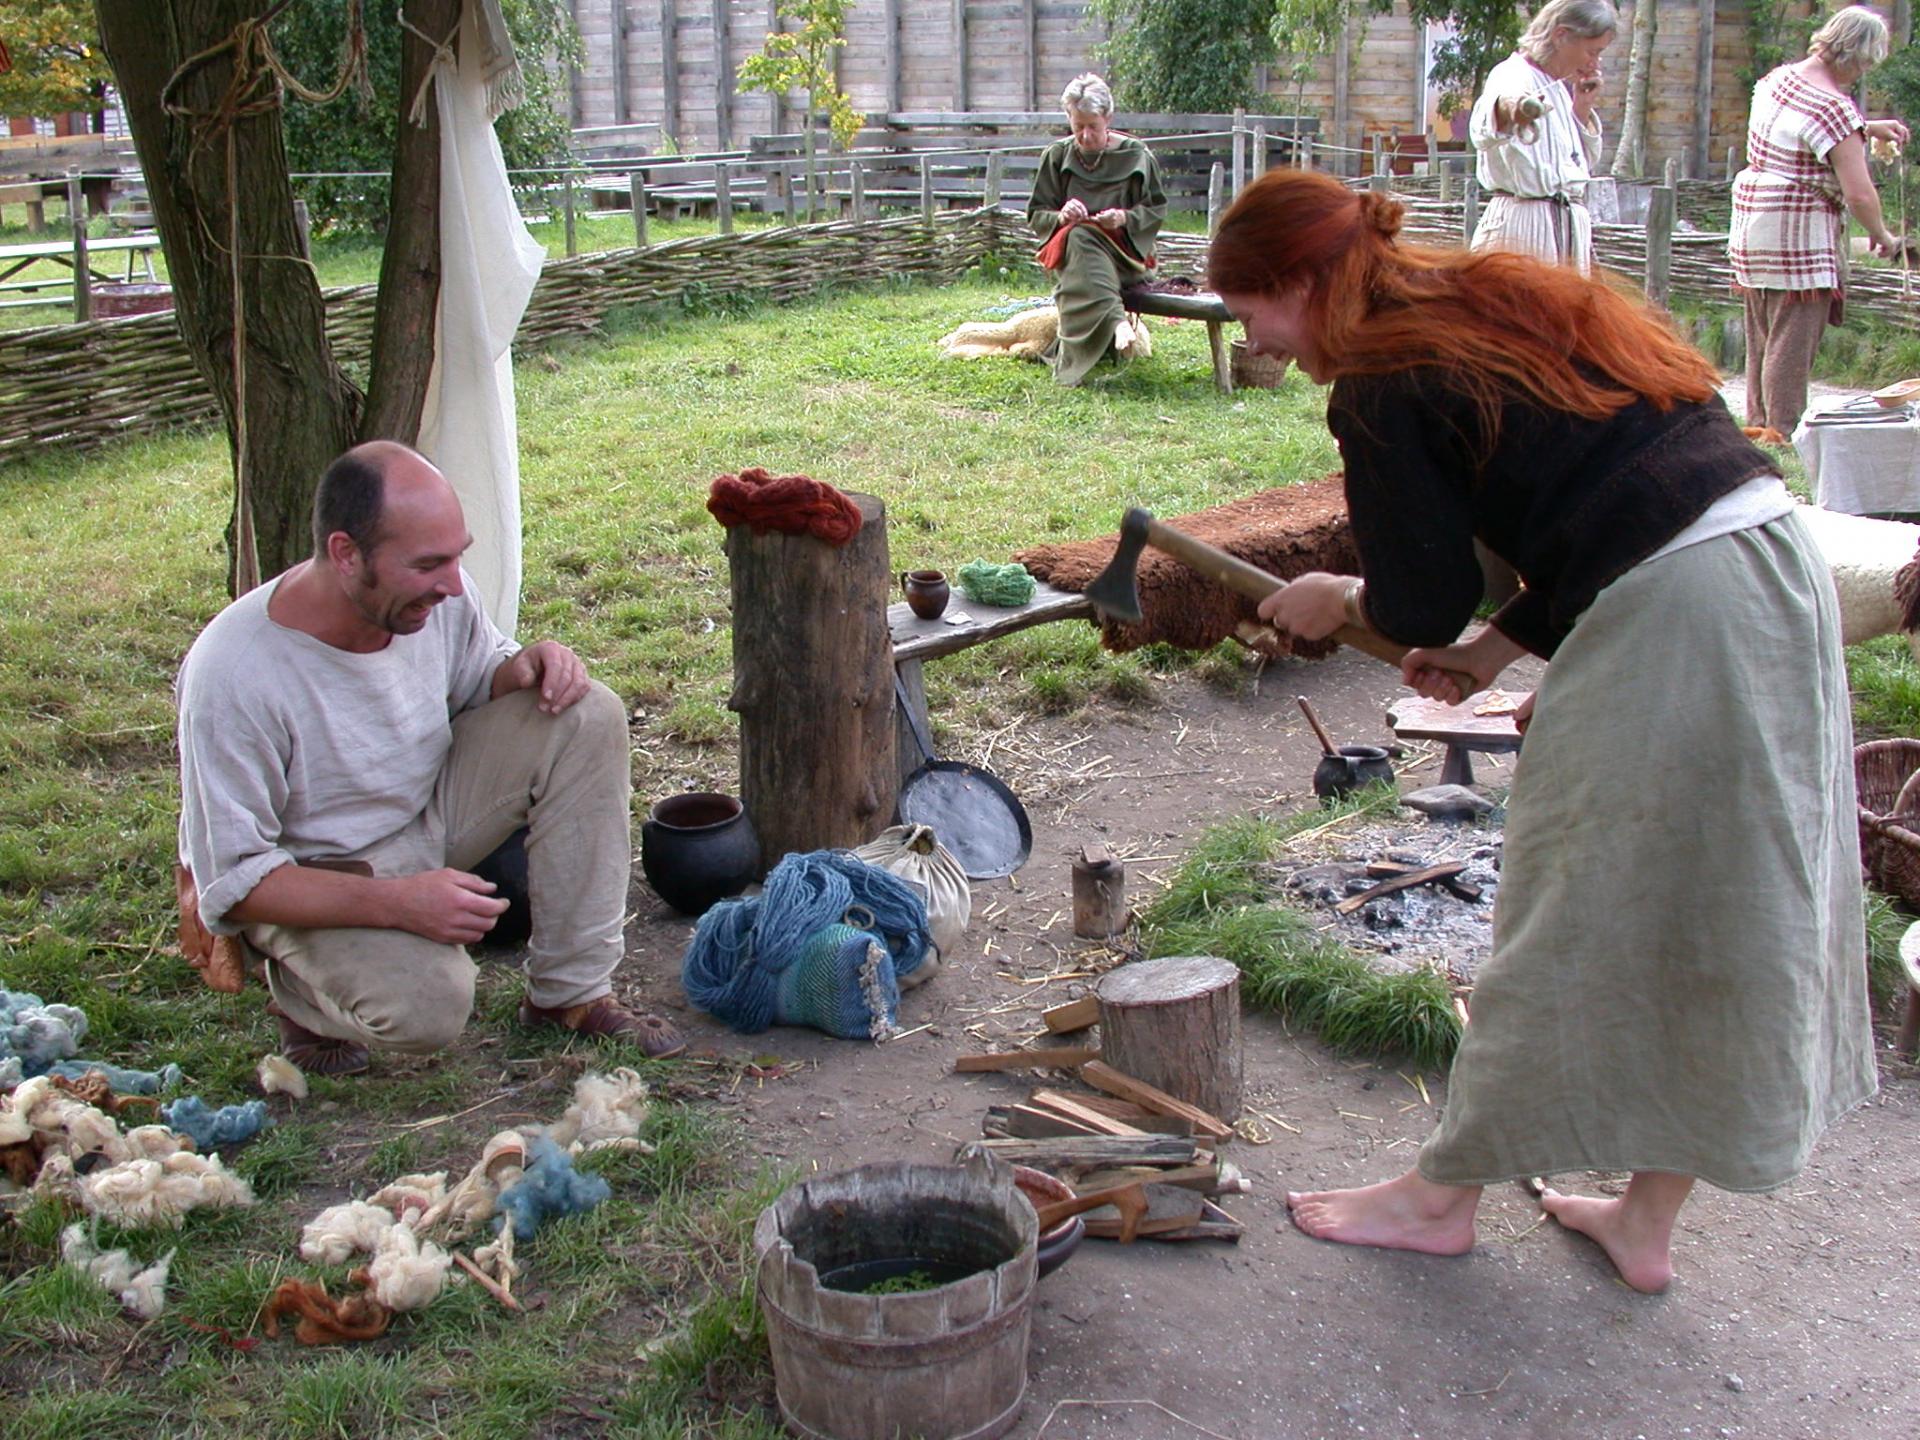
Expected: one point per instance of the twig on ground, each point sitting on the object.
(486, 1281)
(1493, 1389)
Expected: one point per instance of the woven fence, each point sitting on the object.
(76, 386)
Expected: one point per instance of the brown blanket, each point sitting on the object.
(1287, 532)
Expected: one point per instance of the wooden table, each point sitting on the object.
(1456, 726)
(15, 258)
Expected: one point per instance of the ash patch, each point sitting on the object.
(1427, 924)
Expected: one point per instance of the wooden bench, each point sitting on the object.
(916, 641)
(1458, 728)
(1204, 306)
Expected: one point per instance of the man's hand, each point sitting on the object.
(1114, 219)
(548, 666)
(1312, 607)
(451, 907)
(1074, 209)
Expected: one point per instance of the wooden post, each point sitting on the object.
(960, 54)
(1216, 187)
(1239, 151)
(1703, 90)
(890, 19)
(793, 198)
(617, 57)
(669, 69)
(996, 176)
(857, 184)
(723, 78)
(82, 272)
(302, 226)
(813, 685)
(1030, 37)
(723, 196)
(1671, 174)
(575, 108)
(1659, 244)
(1259, 162)
(1379, 147)
(1469, 207)
(637, 197)
(1099, 894)
(566, 204)
(1342, 102)
(926, 188)
(1733, 162)
(1175, 1024)
(777, 122)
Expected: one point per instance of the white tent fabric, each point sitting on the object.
(488, 266)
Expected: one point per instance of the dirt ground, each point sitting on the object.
(1794, 1314)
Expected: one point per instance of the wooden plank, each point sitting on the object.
(1202, 1177)
(1168, 1208)
(1074, 1015)
(1064, 1057)
(669, 68)
(1395, 883)
(1415, 719)
(917, 639)
(1088, 1150)
(723, 81)
(890, 19)
(1026, 1122)
(617, 54)
(1104, 1077)
(959, 37)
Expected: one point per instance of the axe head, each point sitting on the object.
(1115, 592)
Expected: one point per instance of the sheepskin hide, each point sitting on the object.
(1025, 335)
(1868, 558)
(1286, 532)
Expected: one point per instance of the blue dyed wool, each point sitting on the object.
(207, 1128)
(549, 1187)
(37, 1032)
(121, 1080)
(736, 965)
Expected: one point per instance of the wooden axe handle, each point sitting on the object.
(1257, 584)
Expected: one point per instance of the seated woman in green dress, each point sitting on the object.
(1098, 204)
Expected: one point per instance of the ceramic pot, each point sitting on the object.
(697, 849)
(1062, 1240)
(1354, 766)
(927, 592)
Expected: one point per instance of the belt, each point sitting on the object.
(1560, 200)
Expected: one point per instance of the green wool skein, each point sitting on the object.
(988, 584)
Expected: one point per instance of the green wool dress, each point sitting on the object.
(1086, 287)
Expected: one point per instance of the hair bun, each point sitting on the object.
(1381, 213)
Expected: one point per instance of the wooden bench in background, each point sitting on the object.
(1204, 306)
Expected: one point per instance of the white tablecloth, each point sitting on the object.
(1862, 469)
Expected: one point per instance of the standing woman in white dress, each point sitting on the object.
(1532, 164)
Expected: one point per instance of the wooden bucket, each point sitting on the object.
(947, 1363)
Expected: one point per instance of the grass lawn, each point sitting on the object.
(116, 561)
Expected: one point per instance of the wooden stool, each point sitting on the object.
(1910, 1017)
(1462, 731)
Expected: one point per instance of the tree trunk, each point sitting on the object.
(813, 685)
(301, 408)
(1175, 1024)
(1630, 155)
(403, 326)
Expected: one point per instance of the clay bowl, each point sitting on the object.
(1900, 393)
(1063, 1239)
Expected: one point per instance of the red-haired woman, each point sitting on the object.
(1677, 983)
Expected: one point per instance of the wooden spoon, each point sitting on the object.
(1306, 709)
(1129, 1200)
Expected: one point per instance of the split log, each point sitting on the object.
(1168, 1208)
(1094, 1122)
(1074, 1015)
(1029, 1122)
(1087, 1150)
(813, 685)
(1175, 1025)
(1105, 1077)
(1400, 882)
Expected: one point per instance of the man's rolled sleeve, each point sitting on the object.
(233, 789)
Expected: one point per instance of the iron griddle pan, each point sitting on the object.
(972, 811)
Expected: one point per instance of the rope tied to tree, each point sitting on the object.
(986, 583)
(790, 504)
(257, 86)
(443, 55)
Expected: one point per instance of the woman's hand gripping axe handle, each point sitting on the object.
(1115, 591)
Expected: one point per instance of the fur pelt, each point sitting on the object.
(1024, 335)
(1287, 532)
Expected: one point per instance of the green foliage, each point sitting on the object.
(1775, 35)
(58, 64)
(1186, 55)
(355, 135)
(802, 59)
(1886, 976)
(1484, 33)
(1898, 81)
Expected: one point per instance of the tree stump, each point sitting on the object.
(1175, 1023)
(813, 685)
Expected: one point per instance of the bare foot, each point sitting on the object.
(1409, 1213)
(1641, 1249)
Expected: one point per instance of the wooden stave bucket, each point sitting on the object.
(943, 1364)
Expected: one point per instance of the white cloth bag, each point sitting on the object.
(914, 853)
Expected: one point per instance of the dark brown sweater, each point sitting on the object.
(1572, 504)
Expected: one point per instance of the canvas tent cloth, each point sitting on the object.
(1286, 532)
(488, 267)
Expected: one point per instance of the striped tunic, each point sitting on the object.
(1786, 203)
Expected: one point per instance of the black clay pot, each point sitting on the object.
(697, 849)
(1354, 766)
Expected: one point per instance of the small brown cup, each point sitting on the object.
(926, 591)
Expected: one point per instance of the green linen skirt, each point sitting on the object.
(1678, 976)
(1086, 292)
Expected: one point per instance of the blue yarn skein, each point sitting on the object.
(37, 1038)
(741, 946)
(549, 1186)
(207, 1127)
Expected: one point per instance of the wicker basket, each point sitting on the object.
(1255, 372)
(1886, 774)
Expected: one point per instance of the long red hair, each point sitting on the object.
(1502, 322)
